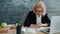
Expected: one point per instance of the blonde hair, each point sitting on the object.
(38, 5)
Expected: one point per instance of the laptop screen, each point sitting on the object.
(55, 25)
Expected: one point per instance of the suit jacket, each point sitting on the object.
(31, 19)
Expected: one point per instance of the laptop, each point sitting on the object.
(55, 25)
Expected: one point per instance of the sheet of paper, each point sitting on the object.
(33, 30)
(41, 28)
(23, 29)
(29, 30)
(44, 29)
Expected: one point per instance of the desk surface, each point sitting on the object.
(13, 31)
(10, 32)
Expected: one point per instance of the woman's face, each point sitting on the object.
(39, 9)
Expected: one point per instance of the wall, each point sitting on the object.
(12, 11)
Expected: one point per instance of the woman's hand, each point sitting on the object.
(35, 25)
(38, 25)
(44, 25)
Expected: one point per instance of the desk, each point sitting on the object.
(13, 31)
(10, 32)
(40, 32)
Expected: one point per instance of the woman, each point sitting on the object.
(38, 17)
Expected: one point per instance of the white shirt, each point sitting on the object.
(38, 19)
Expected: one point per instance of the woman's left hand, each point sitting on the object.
(44, 25)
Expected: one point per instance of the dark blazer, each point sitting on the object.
(31, 19)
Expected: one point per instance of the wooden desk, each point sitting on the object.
(13, 31)
(7, 30)
(40, 32)
(10, 32)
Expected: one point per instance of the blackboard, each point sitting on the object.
(12, 11)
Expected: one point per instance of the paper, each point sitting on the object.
(28, 29)
(23, 29)
(32, 30)
(41, 28)
(44, 29)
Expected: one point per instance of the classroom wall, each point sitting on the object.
(12, 11)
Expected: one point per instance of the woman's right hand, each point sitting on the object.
(34, 26)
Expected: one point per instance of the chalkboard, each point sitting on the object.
(12, 11)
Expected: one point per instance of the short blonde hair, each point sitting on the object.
(38, 4)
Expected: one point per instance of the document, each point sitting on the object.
(44, 29)
(29, 30)
(33, 30)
